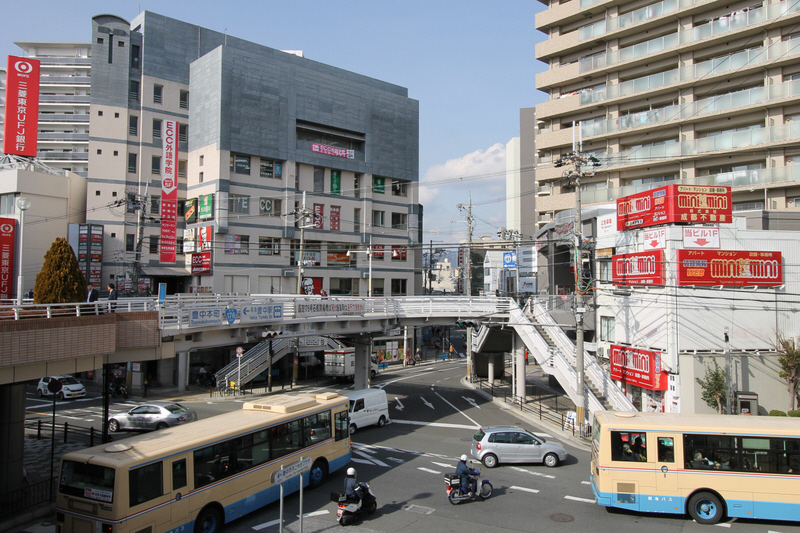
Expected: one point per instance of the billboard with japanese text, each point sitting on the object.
(737, 268)
(674, 204)
(20, 130)
(8, 228)
(641, 368)
(169, 192)
(641, 268)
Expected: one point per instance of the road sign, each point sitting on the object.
(54, 386)
(239, 351)
(291, 470)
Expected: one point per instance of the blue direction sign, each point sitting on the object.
(262, 313)
(509, 259)
(291, 470)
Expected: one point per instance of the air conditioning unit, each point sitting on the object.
(601, 351)
(289, 273)
(365, 275)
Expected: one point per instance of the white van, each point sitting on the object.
(367, 407)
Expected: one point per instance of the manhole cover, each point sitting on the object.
(561, 517)
(419, 509)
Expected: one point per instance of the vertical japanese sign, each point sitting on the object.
(336, 182)
(7, 234)
(90, 252)
(319, 214)
(169, 192)
(22, 106)
(206, 210)
(335, 210)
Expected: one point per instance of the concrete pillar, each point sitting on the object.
(12, 436)
(519, 362)
(183, 370)
(490, 375)
(362, 360)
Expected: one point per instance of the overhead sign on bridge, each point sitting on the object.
(261, 313)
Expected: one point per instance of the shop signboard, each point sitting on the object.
(701, 238)
(641, 268)
(319, 216)
(21, 106)
(638, 367)
(190, 212)
(336, 182)
(169, 192)
(674, 204)
(7, 236)
(206, 210)
(731, 268)
(201, 263)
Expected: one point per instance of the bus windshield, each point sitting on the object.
(89, 481)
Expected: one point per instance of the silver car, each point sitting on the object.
(512, 444)
(153, 415)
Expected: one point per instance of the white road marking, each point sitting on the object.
(723, 525)
(586, 482)
(399, 405)
(426, 402)
(518, 469)
(361, 461)
(576, 499)
(457, 409)
(374, 461)
(395, 459)
(472, 402)
(428, 470)
(443, 465)
(265, 525)
(363, 448)
(524, 489)
(314, 513)
(435, 424)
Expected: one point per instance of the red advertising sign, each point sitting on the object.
(377, 251)
(201, 263)
(332, 150)
(335, 211)
(399, 253)
(672, 204)
(7, 233)
(319, 214)
(22, 106)
(730, 268)
(641, 268)
(205, 237)
(169, 192)
(641, 368)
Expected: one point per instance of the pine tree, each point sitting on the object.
(713, 385)
(60, 280)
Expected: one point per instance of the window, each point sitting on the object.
(666, 450)
(399, 220)
(181, 168)
(131, 162)
(269, 207)
(116, 153)
(240, 164)
(99, 113)
(377, 218)
(158, 91)
(200, 178)
(266, 168)
(184, 99)
(155, 165)
(130, 243)
(237, 244)
(145, 483)
(399, 287)
(607, 328)
(399, 188)
(626, 446)
(156, 128)
(238, 204)
(153, 244)
(342, 427)
(269, 246)
(399, 253)
(341, 286)
(202, 160)
(357, 220)
(99, 152)
(183, 133)
(133, 125)
(377, 287)
(155, 202)
(179, 474)
(121, 44)
(99, 40)
(357, 186)
(133, 91)
(319, 179)
(7, 204)
(136, 54)
(297, 176)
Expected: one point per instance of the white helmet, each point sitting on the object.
(464, 458)
(351, 471)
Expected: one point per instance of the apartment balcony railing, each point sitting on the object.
(63, 156)
(59, 99)
(756, 95)
(738, 60)
(63, 117)
(65, 80)
(83, 61)
(65, 136)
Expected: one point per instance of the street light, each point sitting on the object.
(368, 251)
(23, 203)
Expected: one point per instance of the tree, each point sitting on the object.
(789, 360)
(714, 391)
(60, 280)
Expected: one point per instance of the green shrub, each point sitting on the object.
(776, 412)
(795, 413)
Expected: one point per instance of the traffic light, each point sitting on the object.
(269, 334)
(467, 324)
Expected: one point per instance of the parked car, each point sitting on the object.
(512, 444)
(150, 416)
(70, 387)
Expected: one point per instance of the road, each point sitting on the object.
(433, 418)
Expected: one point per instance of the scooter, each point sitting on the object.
(456, 495)
(118, 389)
(349, 509)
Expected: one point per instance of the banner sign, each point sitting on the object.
(319, 215)
(22, 106)
(399, 253)
(655, 239)
(606, 225)
(509, 259)
(672, 204)
(206, 210)
(641, 268)
(701, 238)
(190, 211)
(338, 259)
(730, 268)
(188, 241)
(207, 317)
(201, 263)
(324, 149)
(336, 182)
(169, 192)
(90, 252)
(261, 313)
(205, 237)
(378, 185)
(335, 212)
(641, 368)
(377, 251)
(326, 308)
(7, 235)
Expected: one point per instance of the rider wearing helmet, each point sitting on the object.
(467, 482)
(351, 488)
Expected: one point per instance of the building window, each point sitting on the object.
(399, 220)
(99, 113)
(116, 153)
(7, 203)
(399, 253)
(133, 91)
(156, 128)
(748, 206)
(136, 53)
(357, 220)
(184, 99)
(131, 162)
(155, 201)
(121, 44)
(297, 176)
(270, 207)
(377, 287)
(357, 186)
(319, 179)
(269, 246)
(153, 244)
(181, 168)
(237, 244)
(130, 243)
(155, 165)
(377, 218)
(99, 151)
(202, 160)
(200, 178)
(183, 133)
(607, 328)
(240, 164)
(238, 204)
(398, 287)
(99, 40)
(133, 126)
(267, 168)
(341, 286)
(158, 91)
(399, 188)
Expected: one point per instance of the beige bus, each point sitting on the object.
(200, 476)
(709, 466)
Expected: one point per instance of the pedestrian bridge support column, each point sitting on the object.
(12, 436)
(518, 360)
(362, 361)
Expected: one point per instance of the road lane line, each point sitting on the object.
(524, 489)
(372, 459)
(265, 525)
(443, 465)
(586, 482)
(576, 499)
(548, 476)
(428, 470)
(314, 513)
(436, 424)
(362, 461)
(457, 409)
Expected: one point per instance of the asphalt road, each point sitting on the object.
(433, 418)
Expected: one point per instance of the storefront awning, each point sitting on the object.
(165, 271)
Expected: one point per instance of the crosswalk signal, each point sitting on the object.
(467, 324)
(271, 334)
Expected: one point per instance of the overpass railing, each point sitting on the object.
(10, 311)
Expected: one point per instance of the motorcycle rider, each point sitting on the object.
(351, 488)
(466, 473)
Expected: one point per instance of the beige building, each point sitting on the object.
(690, 92)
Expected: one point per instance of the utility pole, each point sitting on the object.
(139, 203)
(302, 214)
(470, 220)
(574, 177)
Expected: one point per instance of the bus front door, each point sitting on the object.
(666, 467)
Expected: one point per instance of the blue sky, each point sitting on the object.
(469, 63)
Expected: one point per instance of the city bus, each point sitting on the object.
(709, 466)
(200, 476)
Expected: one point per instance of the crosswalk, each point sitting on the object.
(87, 414)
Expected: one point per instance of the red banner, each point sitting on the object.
(730, 268)
(7, 234)
(319, 215)
(641, 268)
(169, 192)
(641, 368)
(674, 203)
(201, 263)
(205, 237)
(377, 251)
(22, 106)
(399, 253)
(335, 211)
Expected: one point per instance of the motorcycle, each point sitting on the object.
(349, 509)
(456, 495)
(118, 389)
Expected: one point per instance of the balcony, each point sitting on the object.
(63, 156)
(62, 99)
(64, 137)
(65, 80)
(64, 117)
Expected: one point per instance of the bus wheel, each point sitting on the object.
(317, 474)
(208, 521)
(705, 508)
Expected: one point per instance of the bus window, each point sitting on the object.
(666, 450)
(342, 426)
(705, 452)
(179, 474)
(145, 483)
(81, 479)
(628, 446)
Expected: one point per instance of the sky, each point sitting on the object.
(470, 64)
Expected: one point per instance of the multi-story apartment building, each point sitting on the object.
(684, 91)
(260, 131)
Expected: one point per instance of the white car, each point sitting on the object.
(70, 387)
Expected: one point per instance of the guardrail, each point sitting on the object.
(9, 310)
